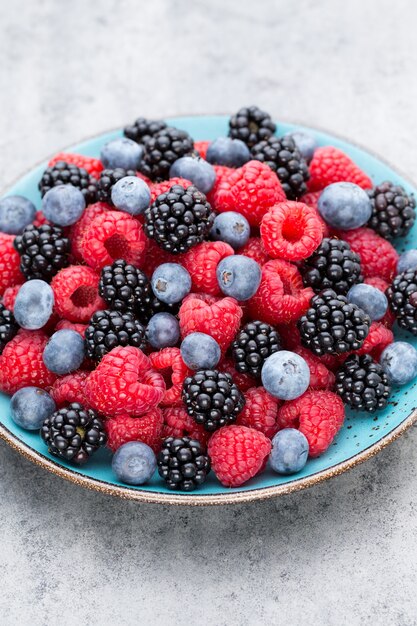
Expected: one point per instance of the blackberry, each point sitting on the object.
(44, 250)
(284, 158)
(212, 398)
(123, 286)
(393, 210)
(362, 383)
(108, 329)
(142, 129)
(332, 266)
(252, 346)
(107, 179)
(8, 326)
(150, 305)
(179, 219)
(161, 150)
(73, 433)
(182, 463)
(333, 325)
(402, 298)
(63, 173)
(251, 125)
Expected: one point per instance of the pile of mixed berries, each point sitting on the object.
(203, 306)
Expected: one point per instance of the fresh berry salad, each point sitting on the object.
(204, 306)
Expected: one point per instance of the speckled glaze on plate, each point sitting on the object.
(362, 435)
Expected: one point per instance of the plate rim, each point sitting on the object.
(250, 495)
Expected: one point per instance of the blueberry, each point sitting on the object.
(229, 152)
(33, 304)
(122, 152)
(200, 351)
(63, 205)
(163, 330)
(238, 276)
(64, 352)
(197, 170)
(285, 375)
(407, 261)
(16, 212)
(344, 206)
(134, 463)
(171, 282)
(370, 299)
(289, 451)
(232, 228)
(399, 360)
(30, 406)
(305, 143)
(131, 194)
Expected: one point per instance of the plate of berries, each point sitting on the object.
(207, 309)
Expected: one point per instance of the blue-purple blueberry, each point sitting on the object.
(33, 304)
(228, 151)
(171, 282)
(131, 195)
(285, 375)
(134, 463)
(239, 277)
(16, 212)
(399, 361)
(407, 261)
(200, 351)
(30, 406)
(64, 352)
(305, 143)
(122, 152)
(63, 205)
(344, 206)
(196, 170)
(163, 330)
(289, 451)
(231, 227)
(370, 299)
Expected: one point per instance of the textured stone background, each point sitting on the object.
(341, 553)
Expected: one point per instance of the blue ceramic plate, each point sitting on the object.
(361, 437)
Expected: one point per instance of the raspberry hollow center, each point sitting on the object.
(117, 246)
(293, 229)
(84, 296)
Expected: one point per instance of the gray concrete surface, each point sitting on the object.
(341, 553)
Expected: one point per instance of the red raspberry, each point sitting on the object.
(320, 376)
(201, 261)
(70, 388)
(255, 250)
(9, 296)
(158, 188)
(77, 231)
(237, 454)
(65, 324)
(377, 255)
(290, 336)
(219, 318)
(201, 147)
(91, 165)
(318, 415)
(260, 412)
(291, 231)
(168, 362)
(124, 428)
(40, 219)
(381, 284)
(10, 273)
(113, 235)
(250, 190)
(243, 381)
(311, 200)
(222, 173)
(145, 179)
(281, 297)
(124, 382)
(21, 364)
(155, 256)
(76, 293)
(331, 165)
(378, 339)
(177, 423)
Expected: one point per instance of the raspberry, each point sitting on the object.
(91, 165)
(168, 362)
(9, 296)
(320, 376)
(113, 235)
(318, 415)
(77, 231)
(10, 273)
(124, 428)
(291, 231)
(381, 284)
(237, 454)
(202, 261)
(311, 200)
(260, 412)
(378, 339)
(243, 381)
(79, 328)
(219, 318)
(250, 190)
(158, 188)
(124, 382)
(70, 389)
(76, 293)
(281, 297)
(40, 219)
(177, 423)
(145, 179)
(255, 250)
(222, 173)
(21, 364)
(331, 165)
(155, 256)
(201, 147)
(377, 256)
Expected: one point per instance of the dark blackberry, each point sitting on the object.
(393, 210)
(142, 129)
(333, 325)
(182, 463)
(150, 305)
(73, 433)
(253, 344)
(332, 266)
(123, 286)
(402, 298)
(8, 326)
(107, 179)
(44, 250)
(161, 150)
(284, 158)
(251, 125)
(179, 219)
(362, 384)
(108, 329)
(212, 398)
(63, 173)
